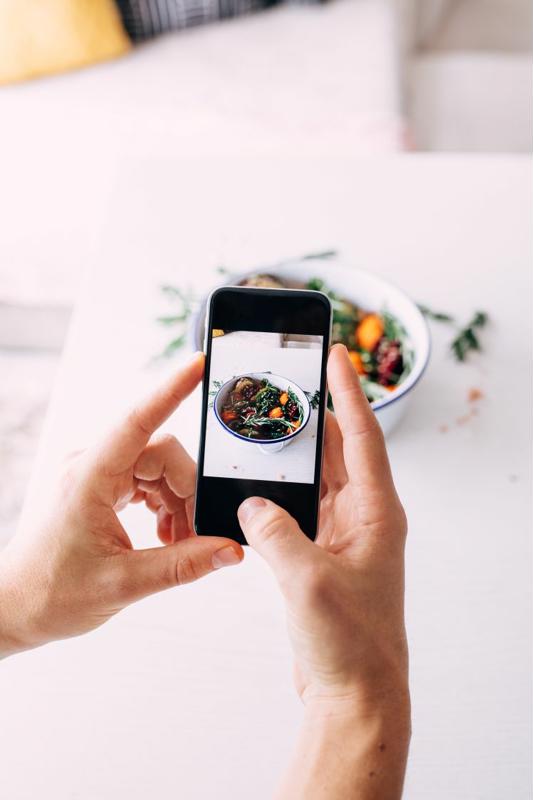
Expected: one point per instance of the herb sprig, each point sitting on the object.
(186, 302)
(466, 339)
(437, 316)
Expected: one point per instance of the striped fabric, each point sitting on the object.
(144, 19)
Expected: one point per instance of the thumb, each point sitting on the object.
(275, 535)
(158, 568)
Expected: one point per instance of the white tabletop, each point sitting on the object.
(189, 694)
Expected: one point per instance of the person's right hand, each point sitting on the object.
(344, 597)
(344, 601)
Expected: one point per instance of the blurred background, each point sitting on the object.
(149, 142)
(87, 83)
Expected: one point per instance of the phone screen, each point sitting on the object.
(263, 405)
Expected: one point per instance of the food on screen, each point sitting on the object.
(258, 409)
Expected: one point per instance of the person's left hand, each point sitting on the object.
(77, 568)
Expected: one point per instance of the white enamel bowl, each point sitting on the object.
(371, 293)
(268, 446)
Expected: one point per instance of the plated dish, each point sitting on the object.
(262, 408)
(376, 340)
(370, 294)
(257, 409)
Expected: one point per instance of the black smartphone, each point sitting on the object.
(264, 403)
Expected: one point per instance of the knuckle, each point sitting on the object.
(402, 519)
(186, 570)
(166, 440)
(373, 429)
(268, 526)
(137, 419)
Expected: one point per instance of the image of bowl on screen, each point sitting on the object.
(263, 409)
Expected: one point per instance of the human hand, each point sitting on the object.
(77, 568)
(344, 601)
(344, 597)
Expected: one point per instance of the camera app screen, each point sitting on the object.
(264, 393)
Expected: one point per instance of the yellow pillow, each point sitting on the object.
(43, 36)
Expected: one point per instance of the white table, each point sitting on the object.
(189, 694)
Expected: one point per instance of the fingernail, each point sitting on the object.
(249, 508)
(225, 557)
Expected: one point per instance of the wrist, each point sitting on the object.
(354, 709)
(351, 745)
(382, 691)
(15, 611)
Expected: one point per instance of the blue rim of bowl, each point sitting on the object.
(260, 441)
(403, 389)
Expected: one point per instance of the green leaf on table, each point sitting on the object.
(437, 316)
(467, 339)
(174, 345)
(321, 255)
(173, 319)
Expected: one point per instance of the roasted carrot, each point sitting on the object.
(276, 413)
(283, 398)
(369, 331)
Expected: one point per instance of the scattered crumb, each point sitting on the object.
(474, 395)
(281, 477)
(234, 467)
(382, 747)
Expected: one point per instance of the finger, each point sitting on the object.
(169, 499)
(364, 450)
(138, 496)
(161, 494)
(334, 473)
(173, 526)
(275, 535)
(164, 525)
(153, 501)
(121, 448)
(180, 527)
(144, 572)
(165, 458)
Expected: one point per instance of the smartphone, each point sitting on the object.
(264, 403)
